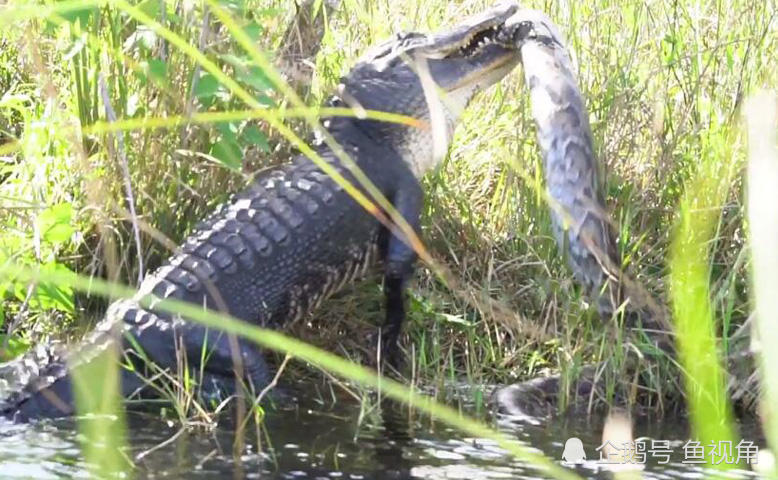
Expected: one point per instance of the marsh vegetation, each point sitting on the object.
(97, 96)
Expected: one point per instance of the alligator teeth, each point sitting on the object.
(476, 42)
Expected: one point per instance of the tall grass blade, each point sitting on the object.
(762, 198)
(101, 418)
(709, 407)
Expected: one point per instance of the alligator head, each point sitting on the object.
(430, 77)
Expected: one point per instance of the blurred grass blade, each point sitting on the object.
(707, 400)
(11, 14)
(173, 121)
(101, 418)
(760, 118)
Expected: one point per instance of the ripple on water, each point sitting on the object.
(317, 438)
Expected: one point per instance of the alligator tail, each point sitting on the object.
(39, 384)
(19, 377)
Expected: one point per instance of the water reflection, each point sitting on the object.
(316, 436)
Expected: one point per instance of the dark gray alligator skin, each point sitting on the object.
(293, 237)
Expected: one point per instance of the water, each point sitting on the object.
(319, 433)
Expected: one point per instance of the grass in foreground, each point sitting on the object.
(663, 83)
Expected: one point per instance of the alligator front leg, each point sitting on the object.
(399, 263)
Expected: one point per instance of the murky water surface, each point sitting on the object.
(318, 433)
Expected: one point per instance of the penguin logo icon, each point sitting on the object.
(574, 451)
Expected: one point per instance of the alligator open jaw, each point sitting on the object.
(469, 56)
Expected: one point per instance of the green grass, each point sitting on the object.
(695, 327)
(663, 81)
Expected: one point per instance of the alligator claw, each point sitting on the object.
(385, 354)
(390, 352)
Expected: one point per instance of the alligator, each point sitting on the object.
(295, 236)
